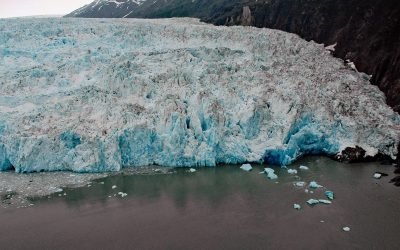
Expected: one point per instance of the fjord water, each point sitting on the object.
(215, 208)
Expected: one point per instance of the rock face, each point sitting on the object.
(94, 95)
(365, 32)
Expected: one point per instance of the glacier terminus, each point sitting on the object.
(94, 95)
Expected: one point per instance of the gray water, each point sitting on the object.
(215, 208)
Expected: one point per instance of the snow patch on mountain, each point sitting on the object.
(93, 95)
(111, 8)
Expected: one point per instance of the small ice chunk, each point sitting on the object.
(122, 194)
(114, 187)
(329, 195)
(59, 190)
(377, 175)
(312, 201)
(292, 171)
(296, 206)
(192, 170)
(331, 48)
(102, 183)
(270, 173)
(300, 184)
(303, 167)
(346, 229)
(314, 184)
(246, 167)
(306, 190)
(324, 201)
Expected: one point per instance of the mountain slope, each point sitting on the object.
(107, 8)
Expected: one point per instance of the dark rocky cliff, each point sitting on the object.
(367, 32)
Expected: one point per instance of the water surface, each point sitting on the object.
(215, 208)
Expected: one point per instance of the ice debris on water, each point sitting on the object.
(246, 167)
(314, 184)
(192, 170)
(292, 171)
(318, 201)
(270, 173)
(324, 201)
(122, 194)
(297, 206)
(377, 175)
(329, 195)
(346, 229)
(312, 201)
(114, 187)
(303, 167)
(300, 184)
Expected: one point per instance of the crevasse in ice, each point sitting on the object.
(92, 95)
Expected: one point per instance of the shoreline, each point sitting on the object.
(18, 189)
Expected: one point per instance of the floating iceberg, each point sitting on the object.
(122, 194)
(329, 195)
(91, 95)
(292, 171)
(296, 206)
(324, 201)
(270, 173)
(312, 202)
(246, 167)
(303, 167)
(346, 229)
(314, 184)
(377, 175)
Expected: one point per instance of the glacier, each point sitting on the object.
(95, 95)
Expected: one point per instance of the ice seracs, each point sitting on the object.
(92, 95)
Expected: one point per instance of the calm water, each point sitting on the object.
(215, 208)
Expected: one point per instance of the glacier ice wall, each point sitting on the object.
(92, 95)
